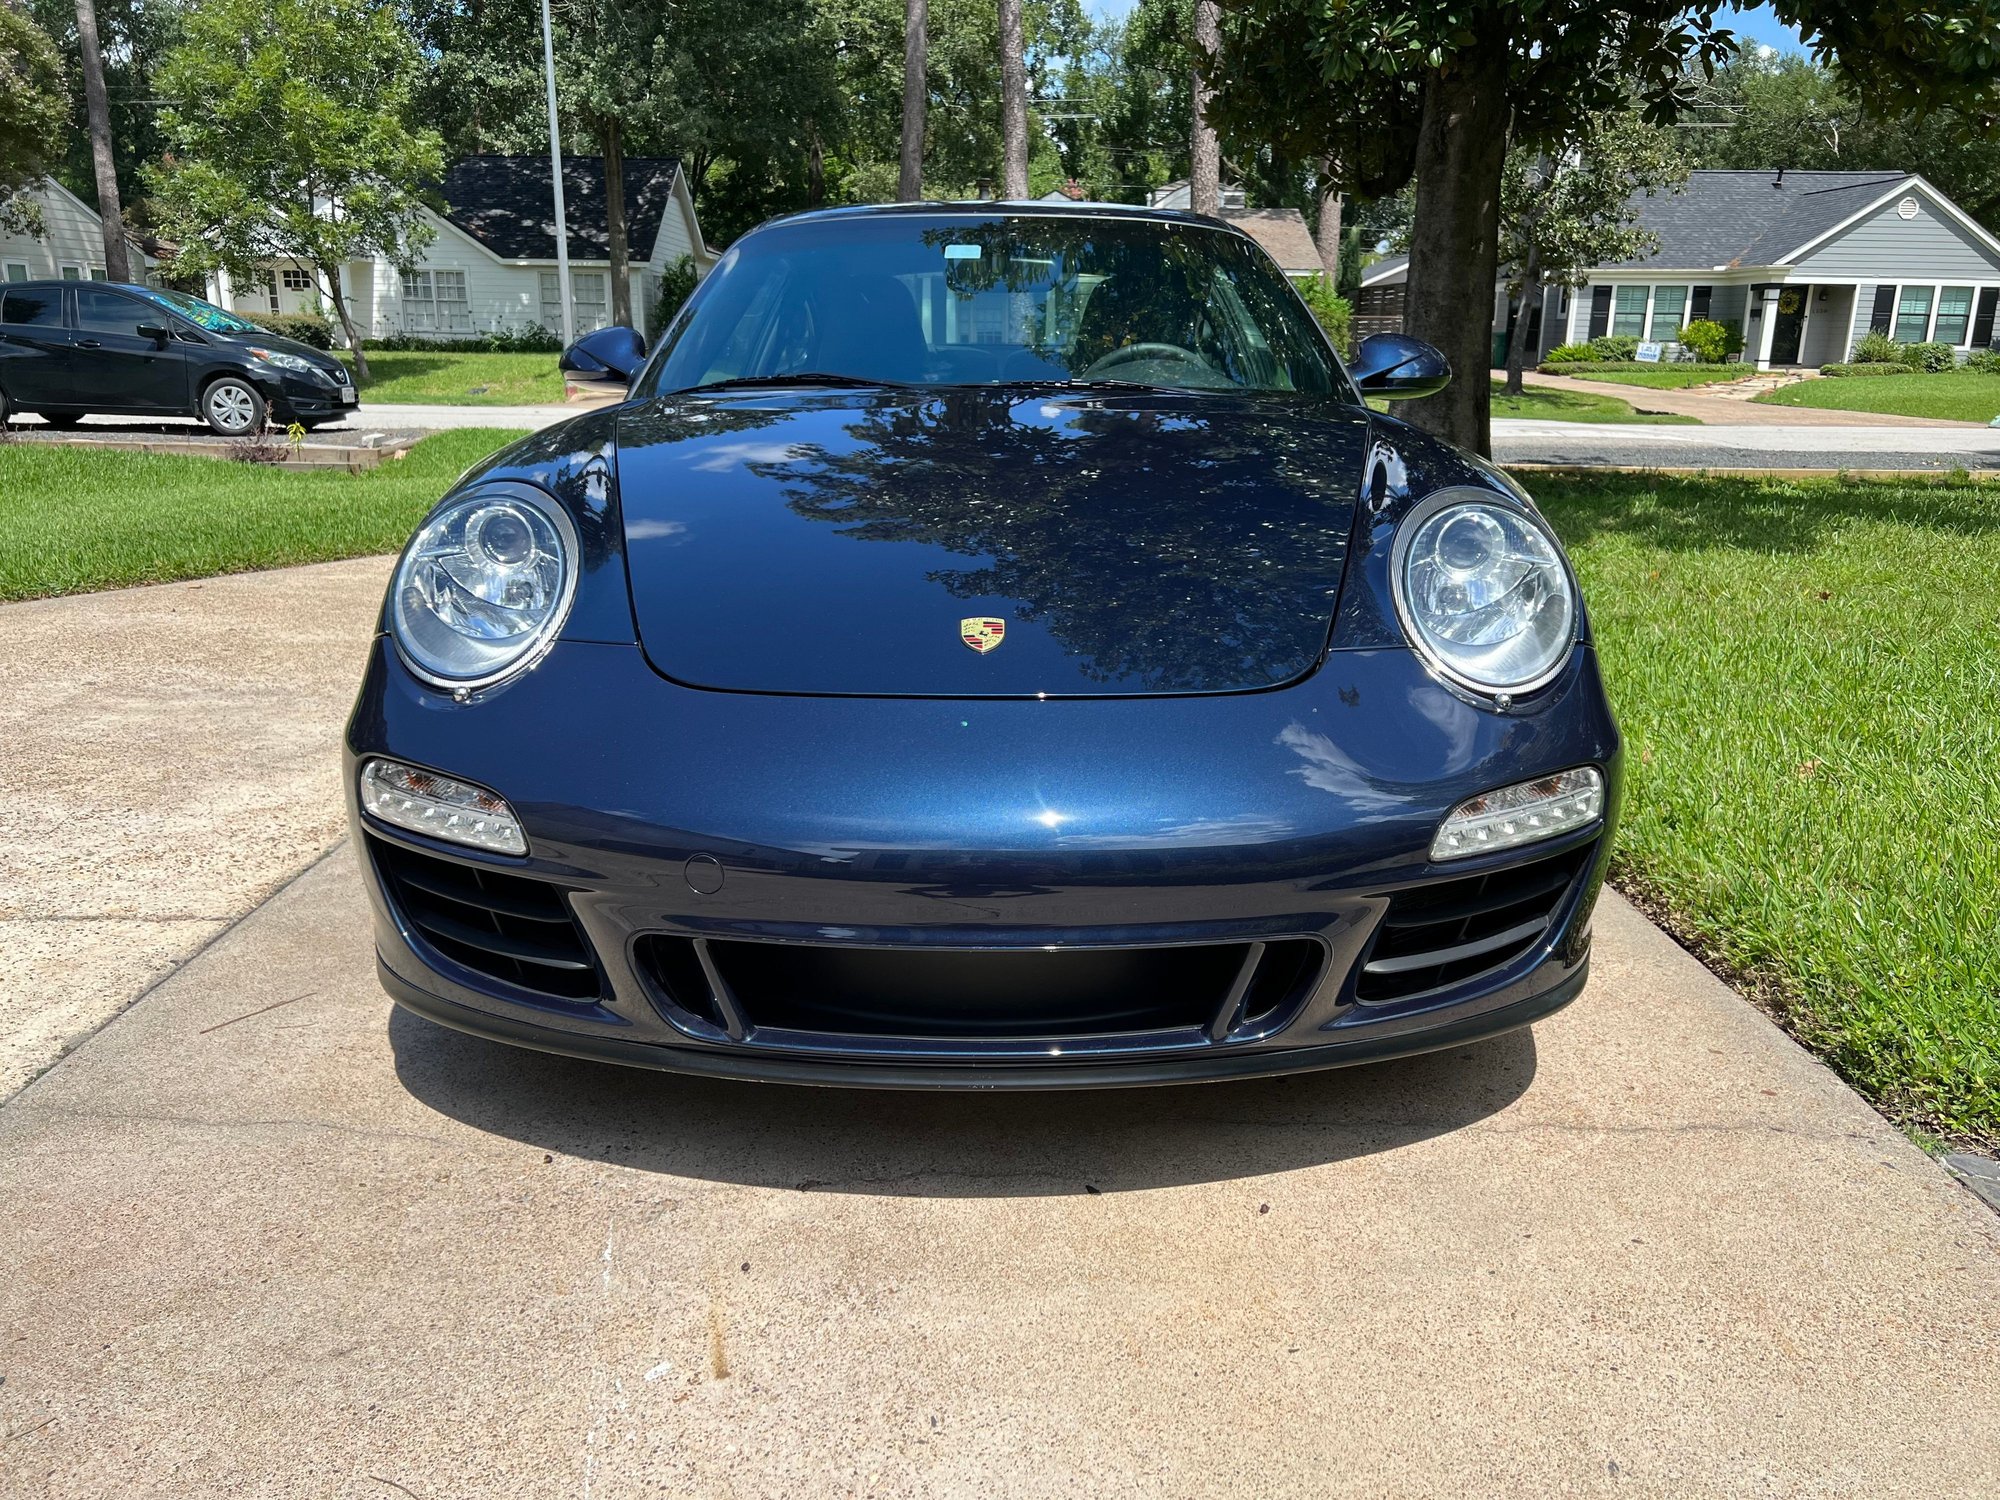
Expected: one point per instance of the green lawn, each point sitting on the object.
(1964, 396)
(460, 379)
(1806, 678)
(1551, 403)
(1667, 377)
(74, 519)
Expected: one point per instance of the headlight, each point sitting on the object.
(484, 587)
(1483, 591)
(286, 361)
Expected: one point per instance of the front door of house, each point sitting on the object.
(1791, 323)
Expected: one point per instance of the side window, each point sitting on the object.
(107, 312)
(37, 309)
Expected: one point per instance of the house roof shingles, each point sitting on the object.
(1728, 218)
(507, 204)
(1283, 234)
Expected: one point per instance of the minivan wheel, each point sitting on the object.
(232, 407)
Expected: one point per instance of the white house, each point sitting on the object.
(492, 264)
(71, 244)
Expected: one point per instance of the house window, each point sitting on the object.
(297, 280)
(98, 273)
(72, 273)
(1628, 317)
(17, 270)
(587, 301)
(435, 302)
(1954, 314)
(1913, 314)
(1669, 302)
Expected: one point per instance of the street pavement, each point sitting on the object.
(266, 1236)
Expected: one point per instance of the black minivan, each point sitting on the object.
(72, 348)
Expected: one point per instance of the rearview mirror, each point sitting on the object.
(156, 331)
(616, 353)
(1399, 367)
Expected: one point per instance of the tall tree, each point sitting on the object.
(916, 96)
(132, 35)
(1562, 215)
(1326, 223)
(1204, 152)
(288, 123)
(110, 212)
(1013, 103)
(1436, 88)
(33, 108)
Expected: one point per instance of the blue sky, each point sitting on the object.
(1755, 24)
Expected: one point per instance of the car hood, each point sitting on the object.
(261, 340)
(837, 542)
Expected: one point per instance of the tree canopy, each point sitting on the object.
(33, 110)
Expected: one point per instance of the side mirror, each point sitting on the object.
(1399, 367)
(608, 354)
(159, 333)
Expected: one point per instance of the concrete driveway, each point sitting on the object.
(266, 1237)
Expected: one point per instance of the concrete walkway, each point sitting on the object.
(1724, 411)
(264, 1236)
(171, 759)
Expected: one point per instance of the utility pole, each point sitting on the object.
(556, 176)
(98, 106)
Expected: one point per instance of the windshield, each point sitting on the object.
(205, 314)
(969, 300)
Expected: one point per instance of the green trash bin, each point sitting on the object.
(1499, 350)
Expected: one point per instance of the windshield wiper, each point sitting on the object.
(796, 378)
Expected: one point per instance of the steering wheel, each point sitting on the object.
(1133, 353)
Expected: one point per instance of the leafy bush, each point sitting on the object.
(1711, 342)
(1708, 372)
(1932, 359)
(1867, 369)
(1877, 348)
(1569, 354)
(1985, 361)
(1335, 313)
(677, 284)
(305, 328)
(525, 338)
(1614, 346)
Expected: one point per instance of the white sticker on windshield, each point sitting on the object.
(961, 252)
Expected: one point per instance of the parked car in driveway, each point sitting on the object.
(71, 349)
(992, 646)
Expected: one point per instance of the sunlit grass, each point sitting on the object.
(1963, 396)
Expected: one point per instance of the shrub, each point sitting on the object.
(1877, 348)
(1335, 313)
(677, 282)
(1867, 369)
(1985, 361)
(1719, 372)
(526, 338)
(1711, 342)
(304, 328)
(1569, 354)
(1614, 346)
(1932, 359)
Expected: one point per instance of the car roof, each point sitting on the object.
(49, 281)
(1032, 208)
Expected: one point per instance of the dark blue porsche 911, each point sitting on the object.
(993, 646)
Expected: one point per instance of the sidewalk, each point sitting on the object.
(1722, 411)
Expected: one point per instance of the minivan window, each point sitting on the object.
(108, 312)
(36, 309)
(202, 314)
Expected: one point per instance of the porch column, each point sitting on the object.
(222, 287)
(1765, 298)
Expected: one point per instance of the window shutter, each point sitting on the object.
(1600, 311)
(1982, 322)
(1698, 303)
(1884, 311)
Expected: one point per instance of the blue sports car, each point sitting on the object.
(993, 645)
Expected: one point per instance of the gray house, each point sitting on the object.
(1804, 263)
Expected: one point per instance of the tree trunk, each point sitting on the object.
(1531, 300)
(1455, 246)
(1326, 233)
(611, 139)
(916, 97)
(815, 170)
(98, 106)
(331, 275)
(1013, 104)
(1204, 155)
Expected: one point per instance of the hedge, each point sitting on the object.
(1626, 366)
(1870, 368)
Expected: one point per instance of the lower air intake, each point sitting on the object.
(1435, 936)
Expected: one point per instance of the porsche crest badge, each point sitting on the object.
(982, 632)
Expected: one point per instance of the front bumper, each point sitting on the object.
(302, 398)
(719, 820)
